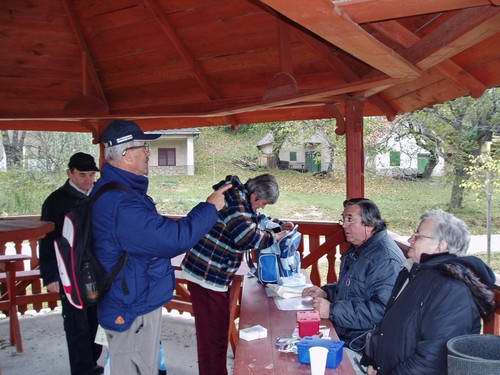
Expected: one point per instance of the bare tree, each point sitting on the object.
(13, 144)
(455, 130)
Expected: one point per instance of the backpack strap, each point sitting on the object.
(251, 266)
(108, 187)
(123, 258)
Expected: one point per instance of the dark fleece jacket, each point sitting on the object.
(444, 297)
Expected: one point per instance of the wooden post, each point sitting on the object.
(355, 158)
(101, 155)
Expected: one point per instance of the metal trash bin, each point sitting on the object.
(474, 355)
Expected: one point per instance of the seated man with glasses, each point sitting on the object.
(356, 303)
(441, 297)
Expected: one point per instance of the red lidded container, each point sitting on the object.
(308, 322)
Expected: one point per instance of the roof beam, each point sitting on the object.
(364, 11)
(86, 55)
(334, 25)
(48, 125)
(181, 48)
(349, 75)
(465, 29)
(226, 107)
(400, 34)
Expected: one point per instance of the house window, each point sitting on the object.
(166, 157)
(293, 156)
(394, 158)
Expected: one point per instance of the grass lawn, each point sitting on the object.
(304, 197)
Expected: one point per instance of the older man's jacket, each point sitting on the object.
(443, 298)
(127, 221)
(367, 276)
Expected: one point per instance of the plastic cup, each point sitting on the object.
(318, 355)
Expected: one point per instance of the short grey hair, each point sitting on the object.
(451, 229)
(116, 152)
(265, 187)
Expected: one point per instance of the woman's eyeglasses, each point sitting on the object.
(417, 236)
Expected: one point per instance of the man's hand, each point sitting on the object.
(314, 291)
(322, 306)
(371, 371)
(287, 225)
(53, 287)
(217, 197)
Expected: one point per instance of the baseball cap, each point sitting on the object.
(121, 131)
(83, 162)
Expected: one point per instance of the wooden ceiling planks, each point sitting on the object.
(87, 60)
(335, 26)
(205, 60)
(181, 49)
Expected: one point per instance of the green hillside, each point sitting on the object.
(303, 196)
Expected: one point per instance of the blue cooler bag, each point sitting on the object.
(280, 260)
(335, 350)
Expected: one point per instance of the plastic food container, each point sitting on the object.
(308, 322)
(335, 350)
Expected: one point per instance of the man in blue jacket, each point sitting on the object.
(125, 220)
(368, 271)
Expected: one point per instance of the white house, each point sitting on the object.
(405, 158)
(3, 160)
(173, 152)
(312, 154)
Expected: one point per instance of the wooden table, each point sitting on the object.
(22, 228)
(9, 263)
(260, 356)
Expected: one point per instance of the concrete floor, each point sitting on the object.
(45, 350)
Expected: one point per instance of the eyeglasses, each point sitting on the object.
(417, 236)
(145, 146)
(347, 220)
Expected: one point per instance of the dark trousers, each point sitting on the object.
(80, 327)
(211, 317)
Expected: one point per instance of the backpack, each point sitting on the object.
(82, 276)
(279, 263)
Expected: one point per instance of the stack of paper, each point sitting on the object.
(287, 291)
(293, 304)
(253, 333)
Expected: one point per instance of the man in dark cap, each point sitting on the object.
(80, 325)
(125, 221)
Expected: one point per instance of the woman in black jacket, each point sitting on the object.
(441, 297)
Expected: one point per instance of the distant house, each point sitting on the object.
(3, 159)
(173, 152)
(405, 158)
(311, 155)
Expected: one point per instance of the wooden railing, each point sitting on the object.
(21, 235)
(322, 245)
